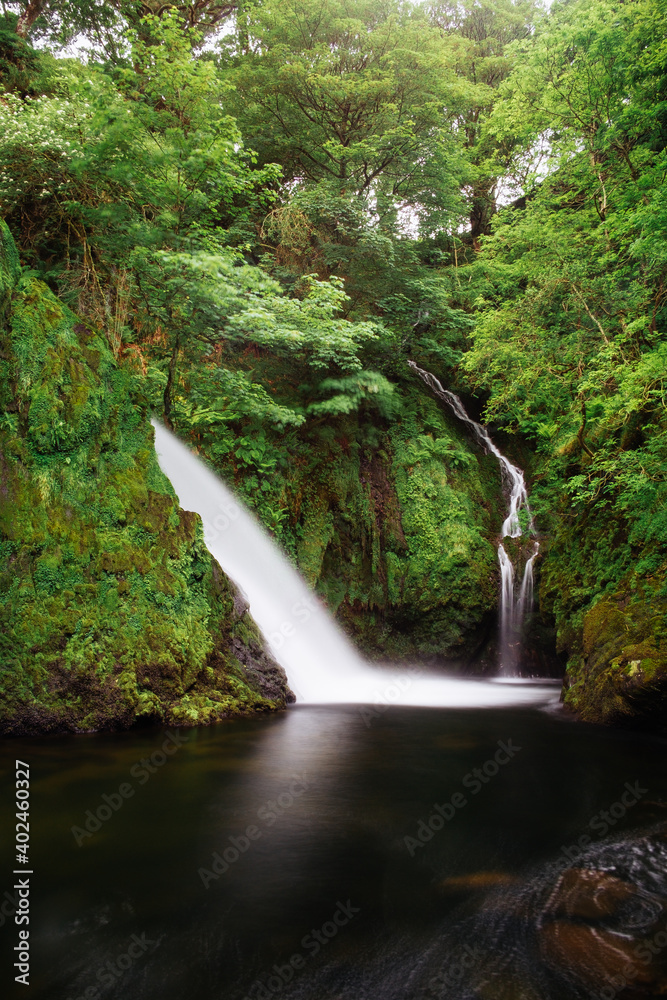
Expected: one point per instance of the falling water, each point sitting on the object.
(513, 606)
(321, 664)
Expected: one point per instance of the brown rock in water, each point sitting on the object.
(607, 932)
(476, 881)
(584, 892)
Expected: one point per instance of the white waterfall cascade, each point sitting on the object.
(513, 606)
(321, 664)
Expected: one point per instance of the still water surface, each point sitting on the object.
(301, 856)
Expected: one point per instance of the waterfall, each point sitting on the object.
(321, 664)
(513, 606)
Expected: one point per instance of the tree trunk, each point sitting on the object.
(242, 26)
(29, 16)
(582, 431)
(167, 389)
(482, 210)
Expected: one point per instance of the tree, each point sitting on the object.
(485, 30)
(99, 168)
(572, 307)
(101, 23)
(576, 83)
(360, 104)
(206, 309)
(362, 95)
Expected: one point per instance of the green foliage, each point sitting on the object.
(104, 26)
(437, 482)
(351, 392)
(428, 450)
(102, 167)
(207, 308)
(570, 338)
(23, 70)
(363, 96)
(361, 106)
(484, 33)
(219, 397)
(391, 528)
(111, 607)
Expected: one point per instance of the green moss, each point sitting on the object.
(620, 674)
(392, 522)
(111, 607)
(603, 580)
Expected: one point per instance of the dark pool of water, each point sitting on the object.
(316, 893)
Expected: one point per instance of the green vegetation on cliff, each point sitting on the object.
(390, 519)
(112, 609)
(570, 339)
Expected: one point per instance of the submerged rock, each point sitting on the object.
(476, 882)
(597, 925)
(595, 930)
(111, 608)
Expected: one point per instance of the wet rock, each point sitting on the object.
(588, 894)
(596, 930)
(477, 881)
(620, 673)
(601, 927)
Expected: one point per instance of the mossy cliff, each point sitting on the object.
(111, 608)
(604, 580)
(392, 520)
(408, 562)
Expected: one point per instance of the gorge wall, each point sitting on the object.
(606, 587)
(111, 608)
(393, 522)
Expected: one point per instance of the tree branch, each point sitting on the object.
(29, 16)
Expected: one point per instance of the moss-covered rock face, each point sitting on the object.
(393, 522)
(111, 608)
(424, 582)
(608, 598)
(620, 673)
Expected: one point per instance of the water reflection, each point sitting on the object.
(323, 855)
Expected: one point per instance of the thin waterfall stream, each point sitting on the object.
(514, 604)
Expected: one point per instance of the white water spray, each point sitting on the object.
(513, 606)
(321, 664)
